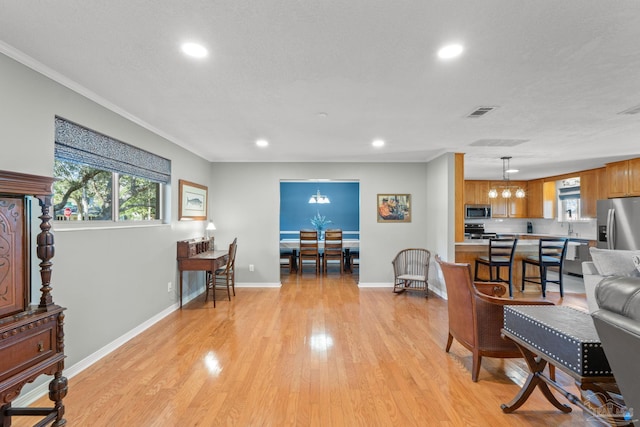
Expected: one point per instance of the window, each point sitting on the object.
(103, 179)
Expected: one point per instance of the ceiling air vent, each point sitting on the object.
(480, 111)
(632, 110)
(498, 142)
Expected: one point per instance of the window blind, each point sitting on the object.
(79, 144)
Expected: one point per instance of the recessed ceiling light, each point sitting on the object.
(378, 143)
(450, 51)
(194, 50)
(262, 143)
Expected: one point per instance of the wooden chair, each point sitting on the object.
(411, 270)
(333, 249)
(551, 254)
(224, 277)
(476, 315)
(309, 249)
(501, 254)
(286, 259)
(354, 260)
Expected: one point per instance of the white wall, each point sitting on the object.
(111, 280)
(247, 206)
(441, 216)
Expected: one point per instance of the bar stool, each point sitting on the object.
(501, 254)
(551, 253)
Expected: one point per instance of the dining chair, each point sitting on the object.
(333, 249)
(354, 260)
(224, 277)
(286, 259)
(476, 315)
(551, 254)
(501, 254)
(309, 249)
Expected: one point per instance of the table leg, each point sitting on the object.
(180, 273)
(536, 367)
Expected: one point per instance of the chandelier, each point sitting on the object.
(506, 187)
(319, 198)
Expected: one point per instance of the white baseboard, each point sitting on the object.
(375, 285)
(43, 389)
(259, 285)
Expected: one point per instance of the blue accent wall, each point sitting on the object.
(296, 211)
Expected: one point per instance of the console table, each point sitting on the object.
(199, 255)
(566, 338)
(31, 336)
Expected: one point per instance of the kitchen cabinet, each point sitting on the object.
(623, 178)
(512, 207)
(476, 192)
(541, 199)
(589, 192)
(534, 194)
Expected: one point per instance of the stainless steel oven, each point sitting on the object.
(477, 211)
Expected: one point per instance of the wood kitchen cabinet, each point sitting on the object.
(534, 194)
(512, 207)
(476, 192)
(623, 178)
(589, 192)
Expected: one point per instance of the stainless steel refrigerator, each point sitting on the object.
(619, 223)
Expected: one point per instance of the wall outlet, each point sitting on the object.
(169, 287)
(250, 267)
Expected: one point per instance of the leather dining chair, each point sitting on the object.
(333, 249)
(551, 254)
(476, 315)
(501, 254)
(309, 249)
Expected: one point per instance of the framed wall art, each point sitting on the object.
(192, 203)
(394, 208)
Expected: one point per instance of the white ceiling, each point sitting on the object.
(320, 80)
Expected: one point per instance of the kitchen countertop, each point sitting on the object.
(573, 241)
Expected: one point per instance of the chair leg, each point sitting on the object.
(543, 280)
(475, 369)
(475, 276)
(449, 342)
(510, 281)
(560, 283)
(524, 271)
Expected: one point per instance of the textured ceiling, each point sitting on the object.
(320, 80)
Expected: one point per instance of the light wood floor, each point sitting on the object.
(316, 352)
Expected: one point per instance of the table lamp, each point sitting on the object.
(209, 229)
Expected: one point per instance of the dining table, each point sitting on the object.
(347, 244)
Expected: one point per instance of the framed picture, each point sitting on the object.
(192, 202)
(394, 208)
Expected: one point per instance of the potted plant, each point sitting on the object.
(319, 222)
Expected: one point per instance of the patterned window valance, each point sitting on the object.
(76, 143)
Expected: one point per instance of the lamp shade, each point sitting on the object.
(210, 226)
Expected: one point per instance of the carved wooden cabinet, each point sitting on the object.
(31, 336)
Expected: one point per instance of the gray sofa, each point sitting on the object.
(617, 321)
(606, 263)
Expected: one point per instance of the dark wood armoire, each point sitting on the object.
(31, 336)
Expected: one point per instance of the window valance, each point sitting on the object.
(78, 144)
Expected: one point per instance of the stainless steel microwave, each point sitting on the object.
(477, 211)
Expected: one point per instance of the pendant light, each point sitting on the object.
(506, 188)
(319, 198)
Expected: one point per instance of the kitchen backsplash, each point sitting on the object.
(581, 229)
